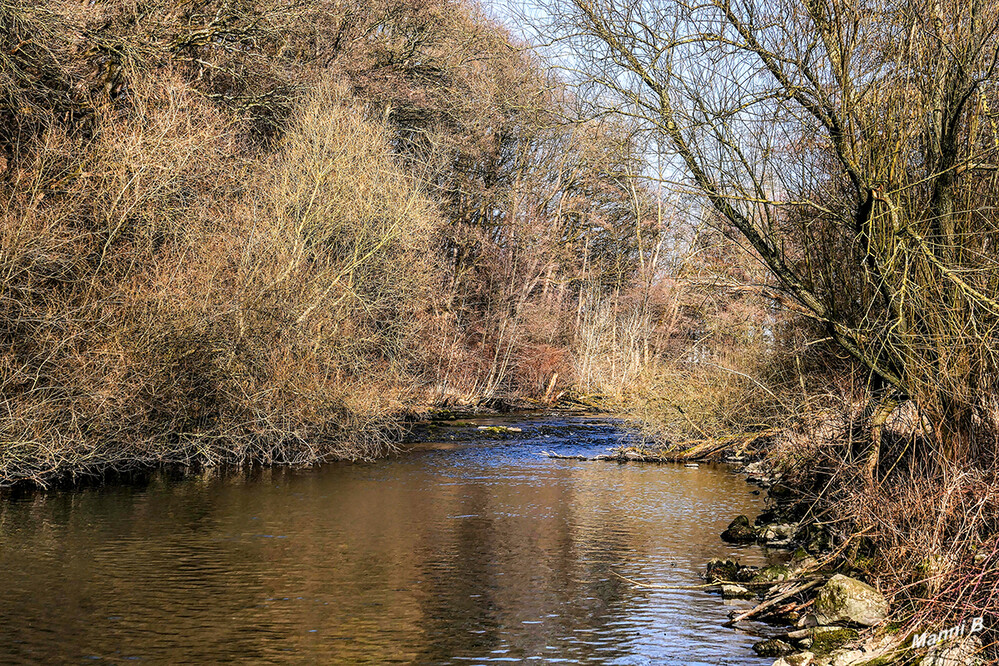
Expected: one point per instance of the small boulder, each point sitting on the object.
(849, 658)
(775, 573)
(739, 531)
(735, 592)
(828, 639)
(797, 659)
(962, 653)
(777, 533)
(719, 569)
(847, 600)
(772, 647)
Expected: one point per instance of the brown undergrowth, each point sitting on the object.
(169, 299)
(262, 231)
(926, 535)
(925, 532)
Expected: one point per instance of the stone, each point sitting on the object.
(797, 659)
(775, 573)
(847, 600)
(827, 639)
(962, 653)
(499, 430)
(801, 562)
(719, 569)
(849, 657)
(772, 647)
(735, 592)
(781, 532)
(739, 531)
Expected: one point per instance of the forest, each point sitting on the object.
(275, 231)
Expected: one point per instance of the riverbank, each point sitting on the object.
(831, 605)
(855, 588)
(375, 436)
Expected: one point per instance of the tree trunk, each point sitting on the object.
(880, 412)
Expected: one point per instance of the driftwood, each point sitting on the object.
(794, 606)
(769, 603)
(701, 449)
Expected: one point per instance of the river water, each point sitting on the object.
(461, 551)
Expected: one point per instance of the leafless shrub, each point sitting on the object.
(173, 302)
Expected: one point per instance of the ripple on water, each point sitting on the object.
(471, 553)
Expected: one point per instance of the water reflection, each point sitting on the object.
(467, 553)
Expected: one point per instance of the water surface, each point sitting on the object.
(463, 551)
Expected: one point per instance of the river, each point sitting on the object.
(462, 550)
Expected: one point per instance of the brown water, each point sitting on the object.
(461, 552)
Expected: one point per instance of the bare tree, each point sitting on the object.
(852, 146)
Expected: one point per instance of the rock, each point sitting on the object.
(777, 532)
(755, 468)
(735, 592)
(721, 570)
(801, 561)
(847, 600)
(827, 639)
(797, 659)
(739, 531)
(631, 455)
(962, 653)
(806, 621)
(849, 657)
(772, 647)
(774, 573)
